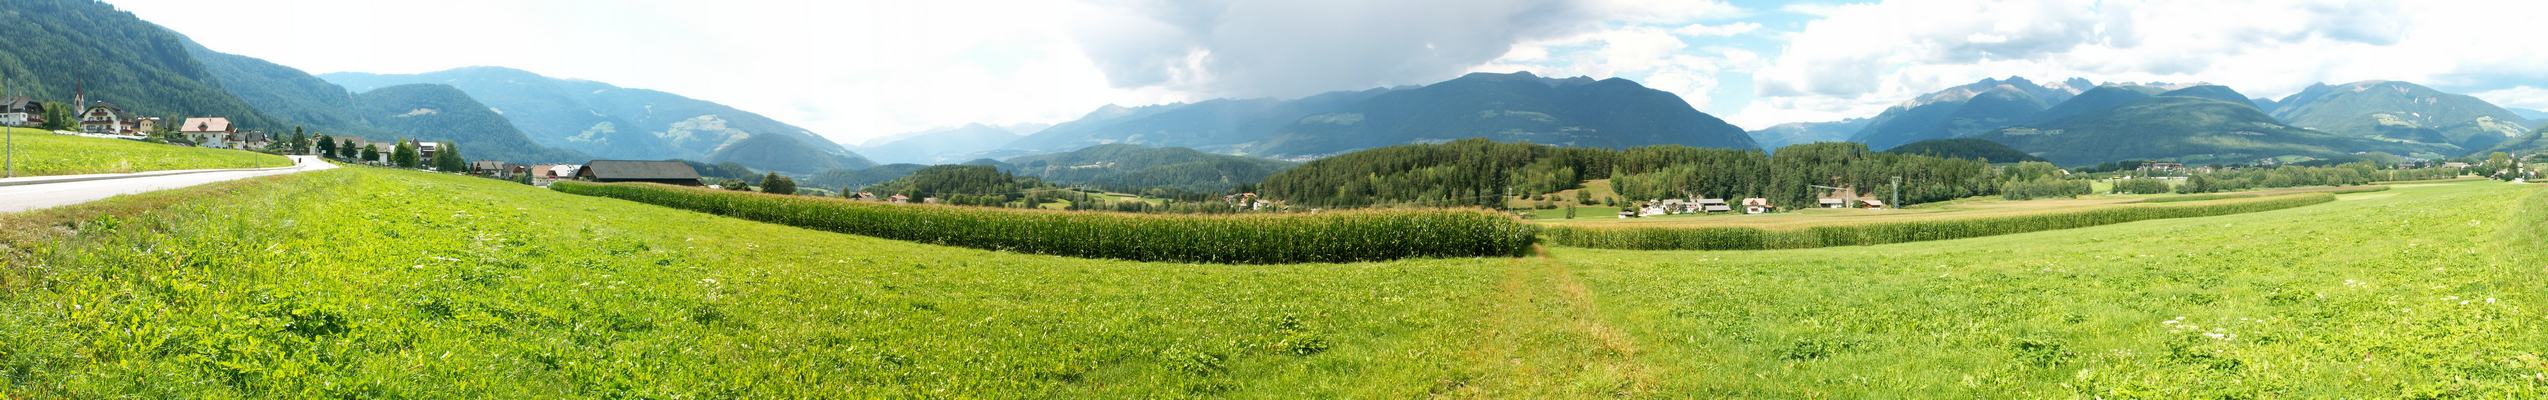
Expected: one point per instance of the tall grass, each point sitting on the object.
(1745, 238)
(1236, 239)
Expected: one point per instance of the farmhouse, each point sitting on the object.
(1756, 205)
(21, 111)
(214, 132)
(107, 119)
(491, 168)
(899, 199)
(664, 172)
(1831, 202)
(1871, 204)
(1714, 206)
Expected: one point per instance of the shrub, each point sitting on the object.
(2141, 186)
(1744, 238)
(2045, 188)
(1239, 239)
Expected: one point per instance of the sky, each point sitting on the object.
(857, 70)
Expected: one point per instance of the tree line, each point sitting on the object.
(1483, 173)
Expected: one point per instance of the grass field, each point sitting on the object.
(1978, 207)
(378, 283)
(42, 152)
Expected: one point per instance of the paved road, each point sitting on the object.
(30, 197)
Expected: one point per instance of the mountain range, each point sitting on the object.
(2401, 110)
(944, 146)
(1965, 110)
(1516, 107)
(613, 122)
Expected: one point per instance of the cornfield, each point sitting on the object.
(1745, 238)
(1232, 239)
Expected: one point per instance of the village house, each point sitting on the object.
(1871, 204)
(664, 172)
(899, 199)
(425, 150)
(214, 132)
(21, 111)
(251, 140)
(866, 196)
(107, 119)
(1714, 206)
(1830, 202)
(1756, 205)
(490, 168)
(2157, 166)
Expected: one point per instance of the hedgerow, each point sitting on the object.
(1745, 238)
(1236, 239)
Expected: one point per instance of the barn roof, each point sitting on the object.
(205, 124)
(649, 170)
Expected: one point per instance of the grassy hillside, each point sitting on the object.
(45, 153)
(378, 283)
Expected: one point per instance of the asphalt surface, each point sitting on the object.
(48, 195)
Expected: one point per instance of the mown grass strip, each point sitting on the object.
(1745, 238)
(1240, 239)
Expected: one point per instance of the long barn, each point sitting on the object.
(664, 172)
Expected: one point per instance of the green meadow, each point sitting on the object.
(377, 283)
(40, 152)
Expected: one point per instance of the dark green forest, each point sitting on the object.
(1484, 173)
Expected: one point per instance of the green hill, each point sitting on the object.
(1138, 169)
(2402, 110)
(1967, 148)
(442, 113)
(49, 48)
(2187, 129)
(2098, 100)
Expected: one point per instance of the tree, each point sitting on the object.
(404, 155)
(735, 185)
(448, 159)
(300, 142)
(370, 151)
(775, 183)
(326, 146)
(345, 149)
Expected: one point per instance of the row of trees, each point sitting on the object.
(1484, 173)
(404, 154)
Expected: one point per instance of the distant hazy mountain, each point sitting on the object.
(612, 122)
(2403, 111)
(2269, 105)
(1966, 110)
(442, 113)
(1783, 135)
(2537, 118)
(1517, 107)
(1133, 168)
(941, 146)
(2188, 129)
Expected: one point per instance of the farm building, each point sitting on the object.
(214, 132)
(1714, 206)
(664, 172)
(21, 111)
(1830, 202)
(1756, 205)
(490, 168)
(1871, 204)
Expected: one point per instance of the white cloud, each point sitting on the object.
(1725, 30)
(1858, 59)
(1653, 56)
(2522, 97)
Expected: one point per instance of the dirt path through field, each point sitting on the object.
(1545, 339)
